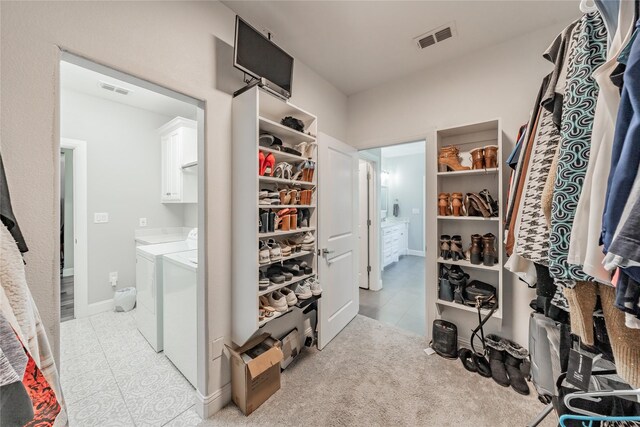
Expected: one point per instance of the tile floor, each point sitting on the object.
(111, 376)
(401, 301)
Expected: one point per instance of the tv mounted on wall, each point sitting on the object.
(256, 55)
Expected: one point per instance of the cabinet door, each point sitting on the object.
(171, 164)
(145, 283)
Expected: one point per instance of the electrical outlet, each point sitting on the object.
(142, 222)
(415, 211)
(100, 217)
(113, 278)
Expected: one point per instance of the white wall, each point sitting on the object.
(123, 180)
(500, 81)
(180, 45)
(406, 175)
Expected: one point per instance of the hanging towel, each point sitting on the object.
(396, 209)
(6, 211)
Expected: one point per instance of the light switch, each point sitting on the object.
(100, 217)
(415, 211)
(143, 222)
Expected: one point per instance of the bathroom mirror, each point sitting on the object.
(384, 199)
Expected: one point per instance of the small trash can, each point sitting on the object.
(125, 299)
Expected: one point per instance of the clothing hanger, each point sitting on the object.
(585, 7)
(596, 396)
(569, 417)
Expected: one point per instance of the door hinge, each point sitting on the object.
(368, 269)
(369, 222)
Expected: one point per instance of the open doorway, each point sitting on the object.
(131, 186)
(392, 245)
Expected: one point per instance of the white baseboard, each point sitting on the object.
(206, 406)
(414, 252)
(66, 272)
(100, 307)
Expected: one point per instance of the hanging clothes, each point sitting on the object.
(584, 246)
(577, 120)
(6, 211)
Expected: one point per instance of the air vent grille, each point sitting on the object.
(113, 88)
(436, 35)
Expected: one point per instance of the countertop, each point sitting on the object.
(395, 221)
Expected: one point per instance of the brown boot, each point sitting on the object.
(456, 203)
(477, 158)
(489, 255)
(443, 204)
(475, 251)
(491, 156)
(449, 159)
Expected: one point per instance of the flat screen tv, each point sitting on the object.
(259, 57)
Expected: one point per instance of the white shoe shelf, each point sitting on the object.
(466, 138)
(254, 112)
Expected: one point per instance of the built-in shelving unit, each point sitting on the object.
(256, 112)
(466, 138)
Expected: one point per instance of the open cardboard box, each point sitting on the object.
(255, 372)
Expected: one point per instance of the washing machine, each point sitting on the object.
(149, 267)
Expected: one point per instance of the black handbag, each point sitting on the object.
(484, 292)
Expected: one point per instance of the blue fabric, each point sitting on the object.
(625, 158)
(609, 10)
(512, 161)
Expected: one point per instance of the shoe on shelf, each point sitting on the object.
(266, 306)
(444, 204)
(456, 204)
(263, 281)
(278, 301)
(493, 205)
(308, 241)
(264, 253)
(303, 291)
(314, 286)
(449, 158)
(457, 253)
(491, 156)
(277, 270)
(489, 255)
(475, 251)
(445, 246)
(293, 268)
(458, 280)
(285, 249)
(275, 252)
(290, 296)
(477, 158)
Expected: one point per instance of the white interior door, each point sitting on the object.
(363, 224)
(337, 236)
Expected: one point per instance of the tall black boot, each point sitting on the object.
(496, 360)
(515, 354)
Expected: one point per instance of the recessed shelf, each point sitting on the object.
(467, 264)
(470, 172)
(284, 258)
(293, 281)
(285, 233)
(286, 206)
(462, 307)
(275, 180)
(282, 131)
(468, 218)
(284, 155)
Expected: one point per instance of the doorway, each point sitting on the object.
(392, 221)
(131, 205)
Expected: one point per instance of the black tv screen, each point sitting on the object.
(260, 57)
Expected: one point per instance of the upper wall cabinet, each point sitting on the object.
(179, 157)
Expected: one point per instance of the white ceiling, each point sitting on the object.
(79, 79)
(357, 45)
(409, 149)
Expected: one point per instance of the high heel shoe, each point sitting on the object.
(457, 253)
(261, 158)
(491, 156)
(456, 203)
(477, 158)
(449, 158)
(443, 204)
(293, 219)
(306, 218)
(283, 219)
(492, 204)
(268, 165)
(445, 246)
(293, 197)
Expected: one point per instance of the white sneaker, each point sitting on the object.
(308, 242)
(314, 286)
(264, 254)
(278, 301)
(290, 296)
(275, 253)
(303, 291)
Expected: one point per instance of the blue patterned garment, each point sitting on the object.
(581, 93)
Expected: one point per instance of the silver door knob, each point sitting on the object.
(326, 252)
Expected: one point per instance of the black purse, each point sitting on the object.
(477, 291)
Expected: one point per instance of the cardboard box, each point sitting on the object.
(290, 348)
(255, 372)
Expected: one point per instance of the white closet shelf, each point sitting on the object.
(470, 172)
(286, 181)
(283, 155)
(285, 233)
(468, 218)
(284, 258)
(465, 263)
(286, 206)
(293, 281)
(497, 314)
(282, 131)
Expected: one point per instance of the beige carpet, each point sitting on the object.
(374, 374)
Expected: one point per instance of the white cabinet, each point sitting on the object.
(179, 156)
(394, 242)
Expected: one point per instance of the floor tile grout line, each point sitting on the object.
(178, 415)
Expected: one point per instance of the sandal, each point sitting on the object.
(283, 170)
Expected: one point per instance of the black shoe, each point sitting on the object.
(482, 365)
(458, 280)
(515, 354)
(466, 357)
(496, 360)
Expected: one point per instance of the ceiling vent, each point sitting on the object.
(113, 88)
(436, 35)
